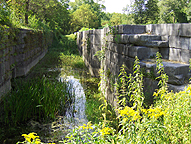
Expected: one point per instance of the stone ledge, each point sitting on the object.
(176, 72)
(22, 71)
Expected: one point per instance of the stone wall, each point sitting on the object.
(173, 41)
(20, 50)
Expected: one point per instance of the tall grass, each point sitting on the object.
(36, 99)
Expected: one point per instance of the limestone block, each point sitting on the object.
(180, 42)
(108, 54)
(114, 57)
(110, 38)
(164, 53)
(106, 30)
(176, 88)
(126, 50)
(141, 52)
(165, 38)
(159, 44)
(120, 48)
(91, 36)
(148, 28)
(129, 62)
(185, 30)
(5, 88)
(143, 39)
(113, 47)
(164, 29)
(91, 31)
(174, 42)
(121, 60)
(97, 36)
(174, 54)
(131, 29)
(121, 38)
(177, 72)
(185, 56)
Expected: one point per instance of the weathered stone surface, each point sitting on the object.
(5, 88)
(164, 53)
(131, 29)
(159, 44)
(122, 39)
(141, 52)
(185, 55)
(20, 71)
(176, 69)
(141, 39)
(180, 42)
(174, 54)
(176, 88)
(164, 29)
(185, 30)
(176, 72)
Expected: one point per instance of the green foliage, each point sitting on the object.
(40, 15)
(97, 7)
(84, 16)
(173, 11)
(152, 12)
(139, 11)
(4, 14)
(36, 99)
(85, 29)
(112, 19)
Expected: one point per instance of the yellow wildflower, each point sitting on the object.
(129, 112)
(27, 138)
(32, 137)
(155, 113)
(105, 131)
(88, 126)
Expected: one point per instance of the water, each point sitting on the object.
(75, 114)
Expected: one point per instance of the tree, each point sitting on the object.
(116, 19)
(172, 11)
(84, 16)
(96, 6)
(53, 12)
(152, 12)
(138, 9)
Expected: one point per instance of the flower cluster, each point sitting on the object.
(129, 112)
(105, 131)
(32, 138)
(88, 126)
(155, 113)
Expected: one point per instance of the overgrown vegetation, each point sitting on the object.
(39, 99)
(166, 121)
